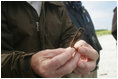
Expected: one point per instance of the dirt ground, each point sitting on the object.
(108, 57)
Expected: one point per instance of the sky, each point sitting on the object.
(101, 13)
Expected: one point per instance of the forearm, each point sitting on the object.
(16, 64)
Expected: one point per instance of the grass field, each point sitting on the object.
(102, 32)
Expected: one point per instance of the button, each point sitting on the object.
(84, 11)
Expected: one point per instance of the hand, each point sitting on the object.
(55, 62)
(88, 58)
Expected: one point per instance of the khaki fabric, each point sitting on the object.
(91, 75)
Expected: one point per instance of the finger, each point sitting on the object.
(77, 72)
(82, 72)
(81, 43)
(86, 66)
(60, 59)
(82, 67)
(81, 64)
(49, 53)
(90, 65)
(69, 66)
(88, 52)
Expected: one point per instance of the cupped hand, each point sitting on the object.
(54, 62)
(88, 58)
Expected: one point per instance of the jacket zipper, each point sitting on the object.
(37, 24)
(36, 15)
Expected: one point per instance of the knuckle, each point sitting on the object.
(44, 52)
(47, 50)
(97, 55)
(82, 41)
(94, 65)
(90, 68)
(60, 48)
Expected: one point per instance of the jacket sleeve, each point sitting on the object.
(16, 64)
(68, 30)
(13, 63)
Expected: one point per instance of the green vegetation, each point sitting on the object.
(103, 32)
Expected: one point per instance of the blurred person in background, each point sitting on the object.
(114, 24)
(81, 18)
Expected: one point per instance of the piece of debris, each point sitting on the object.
(103, 74)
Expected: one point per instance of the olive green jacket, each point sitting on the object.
(23, 34)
